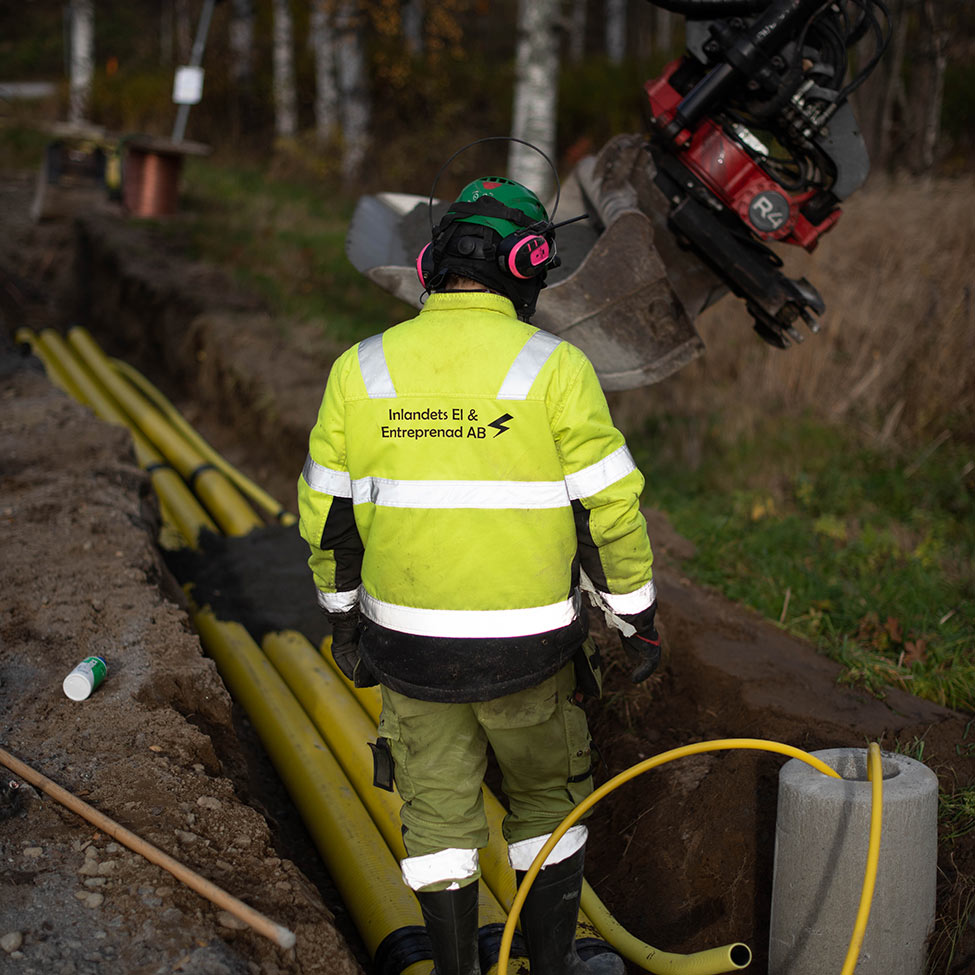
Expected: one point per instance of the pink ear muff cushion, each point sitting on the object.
(537, 253)
(419, 264)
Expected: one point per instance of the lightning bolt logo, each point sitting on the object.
(500, 423)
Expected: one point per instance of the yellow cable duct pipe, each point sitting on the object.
(711, 962)
(229, 509)
(253, 491)
(358, 860)
(346, 730)
(176, 500)
(55, 371)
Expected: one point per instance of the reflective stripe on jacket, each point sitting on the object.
(463, 466)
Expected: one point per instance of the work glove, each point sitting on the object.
(345, 648)
(643, 645)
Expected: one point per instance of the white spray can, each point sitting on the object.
(80, 683)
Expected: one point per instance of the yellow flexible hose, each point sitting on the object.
(718, 960)
(244, 484)
(876, 776)
(230, 510)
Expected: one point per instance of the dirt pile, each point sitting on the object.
(682, 856)
(81, 576)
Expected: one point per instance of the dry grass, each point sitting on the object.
(896, 354)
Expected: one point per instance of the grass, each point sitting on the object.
(283, 239)
(864, 552)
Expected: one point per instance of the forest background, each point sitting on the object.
(831, 487)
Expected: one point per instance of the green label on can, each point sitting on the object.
(96, 667)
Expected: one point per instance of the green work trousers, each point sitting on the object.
(540, 739)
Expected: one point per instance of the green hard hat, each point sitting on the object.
(505, 191)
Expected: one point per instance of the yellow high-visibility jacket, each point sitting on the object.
(463, 468)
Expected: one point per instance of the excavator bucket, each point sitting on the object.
(626, 293)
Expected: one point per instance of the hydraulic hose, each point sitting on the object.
(876, 776)
(230, 510)
(734, 956)
(243, 483)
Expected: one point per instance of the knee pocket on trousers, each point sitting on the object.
(389, 728)
(579, 747)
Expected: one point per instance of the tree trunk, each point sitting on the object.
(577, 31)
(412, 14)
(285, 97)
(536, 94)
(615, 30)
(166, 32)
(242, 43)
(930, 85)
(663, 30)
(355, 109)
(184, 30)
(82, 59)
(322, 40)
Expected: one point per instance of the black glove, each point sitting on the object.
(644, 645)
(345, 648)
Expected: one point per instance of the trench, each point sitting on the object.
(676, 859)
(208, 347)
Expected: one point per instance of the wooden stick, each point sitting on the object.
(259, 922)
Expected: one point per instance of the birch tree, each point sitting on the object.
(615, 30)
(355, 109)
(577, 30)
(930, 83)
(321, 37)
(183, 27)
(82, 59)
(412, 15)
(242, 43)
(285, 96)
(536, 94)
(663, 30)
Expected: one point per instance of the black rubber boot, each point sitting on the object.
(451, 920)
(548, 923)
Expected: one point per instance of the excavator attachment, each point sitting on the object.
(626, 294)
(752, 144)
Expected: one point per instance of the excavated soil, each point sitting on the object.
(682, 856)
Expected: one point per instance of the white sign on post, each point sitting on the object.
(188, 85)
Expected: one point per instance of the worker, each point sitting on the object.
(464, 480)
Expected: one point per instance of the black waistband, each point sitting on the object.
(454, 669)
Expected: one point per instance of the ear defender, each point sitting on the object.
(526, 256)
(424, 265)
